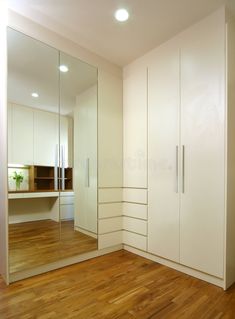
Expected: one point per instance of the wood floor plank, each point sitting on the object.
(118, 285)
(37, 243)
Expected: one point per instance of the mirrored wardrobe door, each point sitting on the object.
(78, 145)
(33, 152)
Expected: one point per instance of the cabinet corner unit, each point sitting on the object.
(191, 156)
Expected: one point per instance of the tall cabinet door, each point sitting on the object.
(85, 159)
(163, 155)
(22, 135)
(135, 127)
(46, 137)
(202, 128)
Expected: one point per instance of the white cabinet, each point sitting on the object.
(187, 149)
(135, 127)
(163, 146)
(33, 136)
(20, 121)
(66, 205)
(85, 161)
(203, 139)
(46, 137)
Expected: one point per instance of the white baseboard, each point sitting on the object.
(186, 270)
(86, 232)
(62, 263)
(17, 219)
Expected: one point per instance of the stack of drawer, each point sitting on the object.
(135, 217)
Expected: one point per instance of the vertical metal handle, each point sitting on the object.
(56, 168)
(87, 172)
(177, 169)
(63, 168)
(183, 168)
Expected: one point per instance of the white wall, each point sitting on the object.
(3, 145)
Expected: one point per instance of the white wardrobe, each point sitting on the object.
(33, 136)
(85, 158)
(190, 157)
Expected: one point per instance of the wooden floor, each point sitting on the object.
(118, 285)
(37, 243)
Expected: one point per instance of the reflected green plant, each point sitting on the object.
(18, 177)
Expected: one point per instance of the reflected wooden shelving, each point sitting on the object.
(41, 178)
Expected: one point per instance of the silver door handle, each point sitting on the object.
(63, 168)
(87, 172)
(177, 169)
(183, 168)
(56, 168)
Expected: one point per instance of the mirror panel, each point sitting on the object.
(33, 139)
(78, 119)
(52, 154)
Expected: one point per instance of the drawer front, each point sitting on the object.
(135, 225)
(110, 195)
(135, 210)
(66, 200)
(66, 193)
(66, 212)
(110, 210)
(109, 240)
(135, 240)
(134, 195)
(110, 225)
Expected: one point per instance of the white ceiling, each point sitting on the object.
(33, 67)
(91, 24)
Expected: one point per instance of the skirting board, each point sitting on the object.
(62, 263)
(86, 232)
(189, 271)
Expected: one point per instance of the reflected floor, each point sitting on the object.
(33, 244)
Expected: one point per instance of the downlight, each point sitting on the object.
(121, 15)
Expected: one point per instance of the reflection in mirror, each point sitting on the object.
(52, 154)
(78, 108)
(33, 139)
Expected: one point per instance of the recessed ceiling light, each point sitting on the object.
(63, 68)
(35, 94)
(122, 15)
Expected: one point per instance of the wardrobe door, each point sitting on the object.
(135, 127)
(163, 153)
(85, 159)
(22, 135)
(46, 137)
(203, 147)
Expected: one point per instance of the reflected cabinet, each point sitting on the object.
(52, 154)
